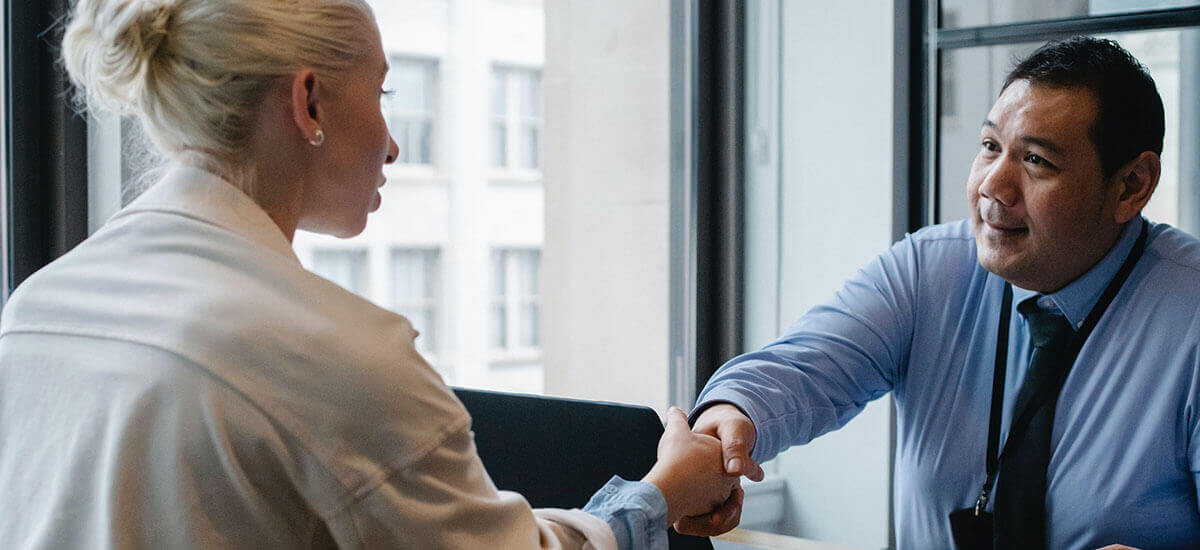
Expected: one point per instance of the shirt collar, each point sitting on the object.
(201, 195)
(1076, 299)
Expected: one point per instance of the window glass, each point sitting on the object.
(516, 118)
(972, 13)
(515, 299)
(410, 107)
(482, 162)
(347, 268)
(414, 293)
(971, 80)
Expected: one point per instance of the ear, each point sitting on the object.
(1134, 184)
(305, 104)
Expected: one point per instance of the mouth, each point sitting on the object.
(1003, 229)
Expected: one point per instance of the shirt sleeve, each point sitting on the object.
(635, 510)
(829, 364)
(447, 500)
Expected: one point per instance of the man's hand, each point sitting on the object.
(689, 470)
(737, 435)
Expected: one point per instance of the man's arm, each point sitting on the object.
(814, 379)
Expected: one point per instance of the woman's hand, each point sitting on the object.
(689, 471)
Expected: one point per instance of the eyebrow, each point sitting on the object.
(384, 72)
(1039, 141)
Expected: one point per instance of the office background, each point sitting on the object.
(607, 199)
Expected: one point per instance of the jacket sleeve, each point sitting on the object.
(447, 500)
(829, 364)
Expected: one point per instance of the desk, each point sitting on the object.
(742, 539)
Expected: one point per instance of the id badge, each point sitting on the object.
(971, 530)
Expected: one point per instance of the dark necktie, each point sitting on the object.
(1020, 500)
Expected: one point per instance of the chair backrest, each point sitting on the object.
(557, 452)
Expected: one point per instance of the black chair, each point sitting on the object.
(557, 452)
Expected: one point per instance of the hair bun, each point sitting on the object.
(110, 47)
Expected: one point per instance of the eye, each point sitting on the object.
(1037, 160)
(386, 92)
(989, 145)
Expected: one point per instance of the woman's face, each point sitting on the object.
(345, 187)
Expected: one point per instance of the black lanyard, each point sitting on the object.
(1024, 416)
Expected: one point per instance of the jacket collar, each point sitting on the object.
(204, 196)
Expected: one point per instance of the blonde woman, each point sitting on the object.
(180, 381)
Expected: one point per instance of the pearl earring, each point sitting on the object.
(317, 141)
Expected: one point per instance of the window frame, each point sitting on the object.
(512, 301)
(932, 41)
(514, 122)
(432, 258)
(45, 198)
(432, 68)
(361, 266)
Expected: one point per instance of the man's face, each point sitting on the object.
(1040, 208)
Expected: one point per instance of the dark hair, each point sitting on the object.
(1130, 114)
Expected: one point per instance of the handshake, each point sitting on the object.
(699, 469)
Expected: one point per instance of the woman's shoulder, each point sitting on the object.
(338, 373)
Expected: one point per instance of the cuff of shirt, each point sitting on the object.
(729, 396)
(635, 510)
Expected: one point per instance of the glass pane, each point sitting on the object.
(527, 273)
(529, 336)
(499, 144)
(409, 82)
(971, 80)
(499, 93)
(499, 327)
(529, 146)
(347, 268)
(499, 274)
(529, 93)
(470, 117)
(973, 13)
(412, 138)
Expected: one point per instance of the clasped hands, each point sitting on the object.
(699, 469)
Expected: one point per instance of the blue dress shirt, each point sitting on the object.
(920, 322)
(635, 510)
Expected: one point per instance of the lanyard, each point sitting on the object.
(1049, 390)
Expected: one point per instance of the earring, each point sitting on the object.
(317, 141)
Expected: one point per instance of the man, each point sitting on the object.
(1098, 424)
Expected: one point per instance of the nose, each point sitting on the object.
(393, 150)
(1001, 182)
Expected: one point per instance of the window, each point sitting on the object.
(516, 118)
(347, 268)
(1172, 57)
(515, 299)
(410, 107)
(971, 13)
(416, 277)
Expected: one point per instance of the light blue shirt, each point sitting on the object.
(921, 321)
(635, 510)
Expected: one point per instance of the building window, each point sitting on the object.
(516, 118)
(347, 268)
(416, 276)
(410, 107)
(516, 299)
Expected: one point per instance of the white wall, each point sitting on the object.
(605, 277)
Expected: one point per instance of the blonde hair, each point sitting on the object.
(195, 71)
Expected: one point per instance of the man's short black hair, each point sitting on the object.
(1130, 117)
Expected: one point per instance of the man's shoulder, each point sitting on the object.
(1174, 247)
(950, 232)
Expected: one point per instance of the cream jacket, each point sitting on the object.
(179, 380)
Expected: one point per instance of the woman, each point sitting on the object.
(179, 380)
